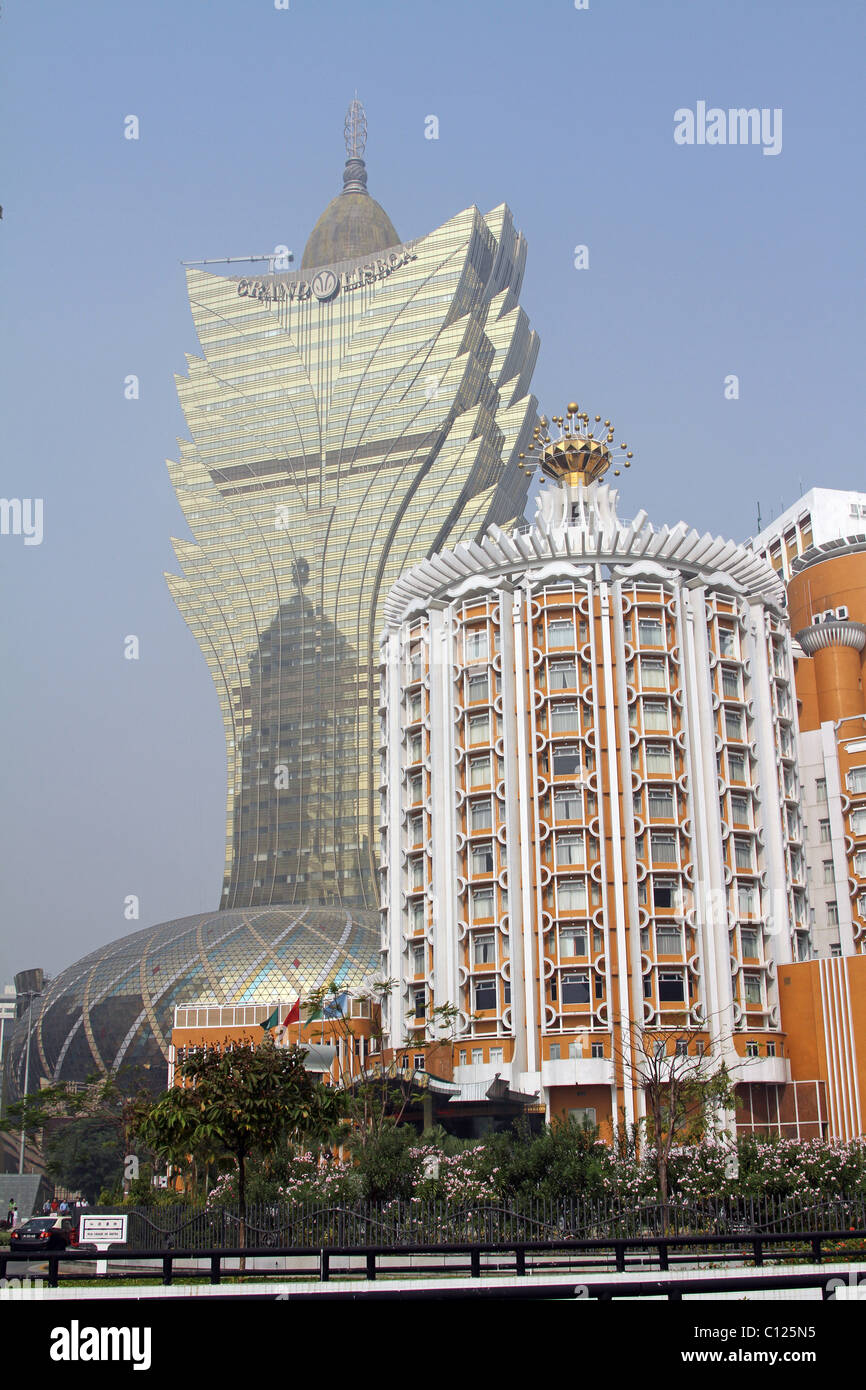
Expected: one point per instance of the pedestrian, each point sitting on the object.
(54, 1204)
(64, 1207)
(14, 1216)
(9, 1213)
(46, 1207)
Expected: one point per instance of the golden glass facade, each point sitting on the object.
(345, 423)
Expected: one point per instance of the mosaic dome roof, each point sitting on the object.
(112, 1011)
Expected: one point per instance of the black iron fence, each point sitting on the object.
(312, 1225)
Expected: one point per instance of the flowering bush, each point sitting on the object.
(558, 1163)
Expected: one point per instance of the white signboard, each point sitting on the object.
(102, 1231)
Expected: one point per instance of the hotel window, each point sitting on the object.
(554, 1052)
(575, 989)
(727, 641)
(671, 987)
(416, 916)
(644, 938)
(414, 748)
(658, 760)
(821, 787)
(733, 725)
(420, 1002)
(569, 850)
(415, 785)
(560, 633)
(481, 857)
(860, 863)
(480, 815)
(736, 767)
(413, 708)
(740, 810)
(567, 805)
(484, 949)
(663, 848)
(496, 1056)
(661, 805)
(572, 942)
(597, 940)
(669, 941)
(824, 831)
(858, 822)
(416, 874)
(475, 644)
(653, 674)
(666, 894)
(752, 989)
(829, 876)
(563, 675)
(479, 772)
(771, 1049)
(418, 962)
(596, 1050)
(479, 728)
(575, 1051)
(419, 1061)
(752, 1049)
(749, 943)
(485, 994)
(730, 683)
(462, 1058)
(681, 1048)
(856, 782)
(482, 903)
(571, 895)
(656, 717)
(832, 914)
(416, 830)
(566, 761)
(743, 854)
(746, 901)
(564, 719)
(477, 1056)
(477, 688)
(649, 632)
(415, 657)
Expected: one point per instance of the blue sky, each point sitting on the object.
(703, 261)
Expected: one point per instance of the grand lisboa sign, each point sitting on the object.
(325, 284)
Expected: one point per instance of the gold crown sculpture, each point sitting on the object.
(578, 455)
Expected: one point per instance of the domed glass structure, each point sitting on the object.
(112, 1011)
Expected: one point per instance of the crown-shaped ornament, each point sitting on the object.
(581, 454)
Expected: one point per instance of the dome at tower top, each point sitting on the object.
(353, 224)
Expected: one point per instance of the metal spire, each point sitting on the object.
(355, 129)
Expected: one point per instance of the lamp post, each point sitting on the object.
(31, 994)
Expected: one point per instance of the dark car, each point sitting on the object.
(44, 1233)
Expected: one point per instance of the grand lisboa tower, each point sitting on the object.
(347, 419)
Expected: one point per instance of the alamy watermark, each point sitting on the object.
(22, 516)
(714, 125)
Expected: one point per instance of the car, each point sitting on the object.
(44, 1233)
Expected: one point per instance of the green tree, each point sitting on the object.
(86, 1130)
(238, 1101)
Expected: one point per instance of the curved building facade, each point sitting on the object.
(590, 825)
(113, 1011)
(346, 420)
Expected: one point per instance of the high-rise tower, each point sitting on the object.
(346, 420)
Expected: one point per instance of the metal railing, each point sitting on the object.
(511, 1257)
(398, 1224)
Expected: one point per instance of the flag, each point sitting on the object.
(294, 1014)
(337, 1007)
(271, 1021)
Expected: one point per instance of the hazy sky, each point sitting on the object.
(705, 260)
